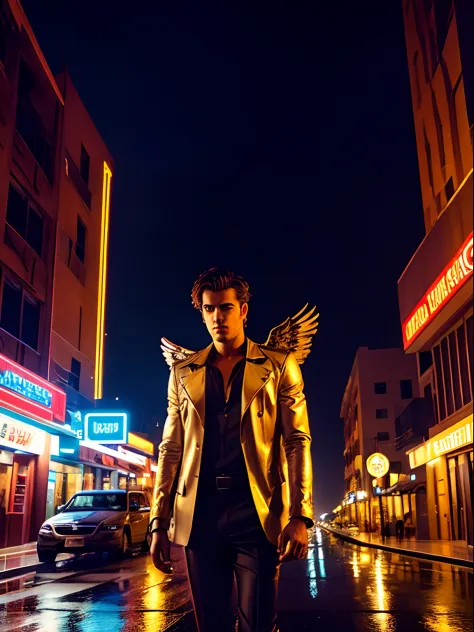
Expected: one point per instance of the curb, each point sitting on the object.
(11, 573)
(455, 561)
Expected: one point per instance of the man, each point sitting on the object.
(234, 480)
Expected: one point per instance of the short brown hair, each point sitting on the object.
(216, 280)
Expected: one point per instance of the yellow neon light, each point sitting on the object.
(104, 240)
(140, 443)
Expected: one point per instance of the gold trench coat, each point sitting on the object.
(274, 434)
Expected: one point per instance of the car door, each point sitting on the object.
(139, 515)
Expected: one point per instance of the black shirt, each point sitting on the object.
(222, 451)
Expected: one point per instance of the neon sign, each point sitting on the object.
(108, 428)
(21, 385)
(24, 392)
(448, 283)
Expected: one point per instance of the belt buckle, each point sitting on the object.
(223, 482)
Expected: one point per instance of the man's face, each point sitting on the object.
(223, 315)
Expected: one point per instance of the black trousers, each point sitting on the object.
(228, 550)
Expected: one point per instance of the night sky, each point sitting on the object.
(278, 143)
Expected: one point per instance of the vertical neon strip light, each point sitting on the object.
(104, 240)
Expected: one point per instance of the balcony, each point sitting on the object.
(78, 183)
(412, 425)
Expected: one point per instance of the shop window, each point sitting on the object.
(380, 388)
(25, 220)
(20, 314)
(74, 379)
(381, 413)
(406, 389)
(81, 240)
(85, 164)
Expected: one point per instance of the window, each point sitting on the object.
(425, 359)
(31, 321)
(25, 220)
(20, 314)
(380, 388)
(416, 65)
(453, 355)
(439, 133)
(406, 389)
(383, 436)
(453, 370)
(81, 240)
(381, 413)
(3, 36)
(75, 374)
(395, 467)
(429, 159)
(85, 164)
(449, 189)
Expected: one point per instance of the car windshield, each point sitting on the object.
(98, 502)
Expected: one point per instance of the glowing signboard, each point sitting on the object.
(19, 384)
(108, 428)
(25, 392)
(448, 283)
(456, 436)
(377, 465)
(17, 435)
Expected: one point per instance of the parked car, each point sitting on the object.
(113, 520)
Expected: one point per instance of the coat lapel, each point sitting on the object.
(256, 375)
(194, 381)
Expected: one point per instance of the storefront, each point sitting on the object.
(448, 456)
(112, 456)
(32, 411)
(65, 472)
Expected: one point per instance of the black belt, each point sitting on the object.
(225, 483)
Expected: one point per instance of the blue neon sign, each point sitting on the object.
(25, 388)
(106, 428)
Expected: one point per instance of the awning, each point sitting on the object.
(402, 487)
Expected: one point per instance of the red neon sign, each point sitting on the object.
(448, 283)
(29, 394)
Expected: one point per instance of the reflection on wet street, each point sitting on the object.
(338, 587)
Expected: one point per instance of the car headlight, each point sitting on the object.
(46, 528)
(111, 527)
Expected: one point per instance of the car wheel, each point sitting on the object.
(126, 549)
(47, 556)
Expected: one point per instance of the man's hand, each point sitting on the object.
(160, 551)
(293, 541)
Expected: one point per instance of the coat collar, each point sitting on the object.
(257, 372)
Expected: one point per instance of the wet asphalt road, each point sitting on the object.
(339, 587)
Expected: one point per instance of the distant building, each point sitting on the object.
(382, 384)
(435, 290)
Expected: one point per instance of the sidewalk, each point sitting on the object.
(437, 550)
(18, 559)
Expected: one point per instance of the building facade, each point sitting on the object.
(383, 382)
(435, 290)
(55, 191)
